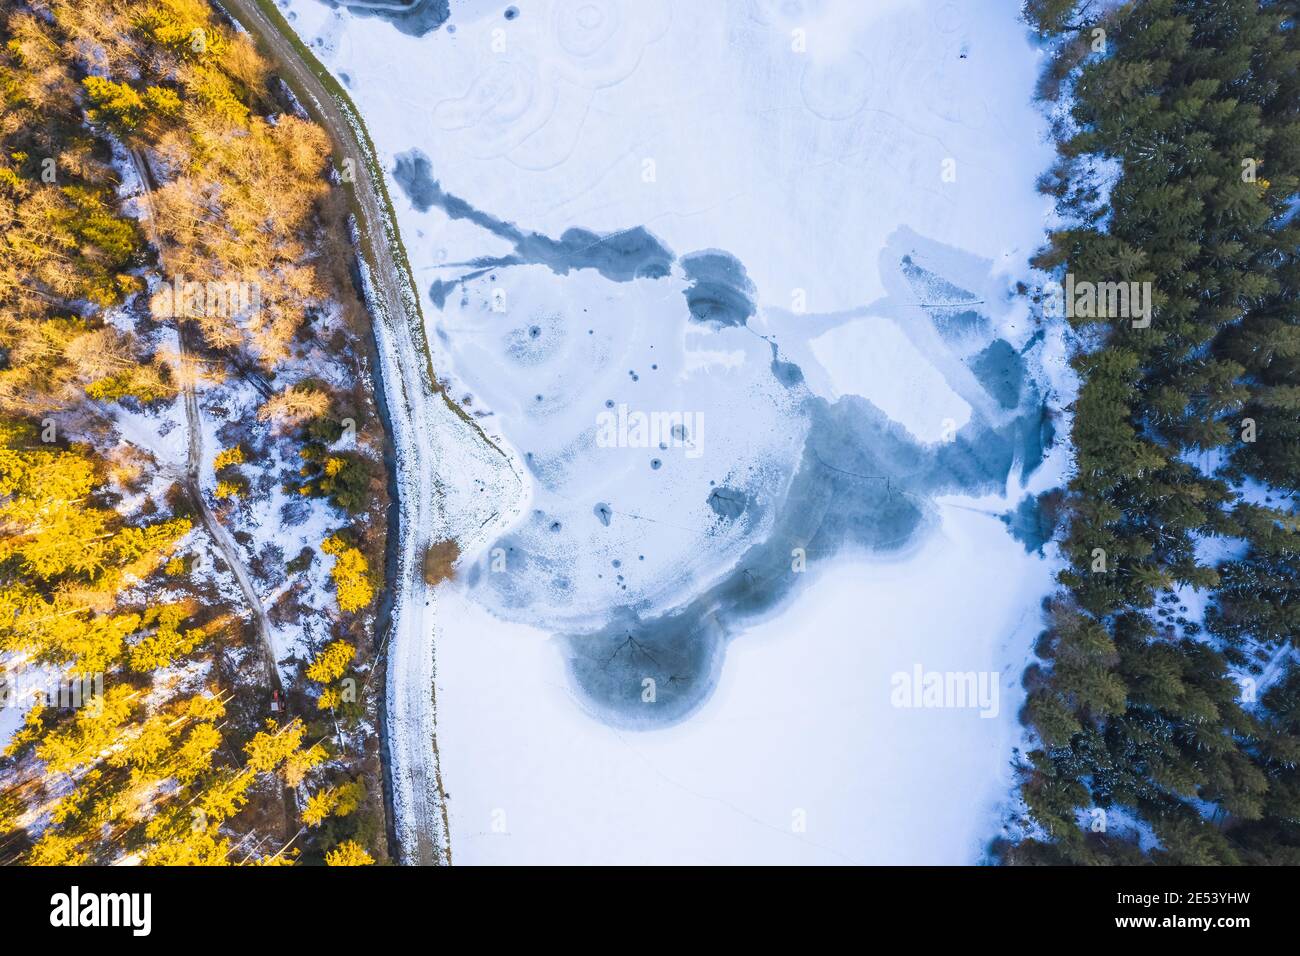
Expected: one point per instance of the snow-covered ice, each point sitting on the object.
(792, 231)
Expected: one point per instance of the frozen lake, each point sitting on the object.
(736, 284)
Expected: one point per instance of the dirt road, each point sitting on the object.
(418, 414)
(193, 461)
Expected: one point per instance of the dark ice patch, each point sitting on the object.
(412, 17)
(972, 459)
(1001, 371)
(414, 175)
(1031, 523)
(440, 289)
(641, 677)
(438, 292)
(863, 481)
(954, 324)
(728, 503)
(618, 256)
(787, 373)
(933, 289)
(1037, 435)
(720, 292)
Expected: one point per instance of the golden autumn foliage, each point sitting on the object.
(62, 559)
(348, 853)
(332, 662)
(333, 801)
(294, 406)
(227, 457)
(237, 195)
(227, 489)
(328, 666)
(63, 241)
(163, 640)
(155, 769)
(330, 699)
(230, 482)
(353, 586)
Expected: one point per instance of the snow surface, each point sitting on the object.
(874, 359)
(800, 728)
(863, 174)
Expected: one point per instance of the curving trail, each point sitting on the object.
(428, 433)
(193, 461)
